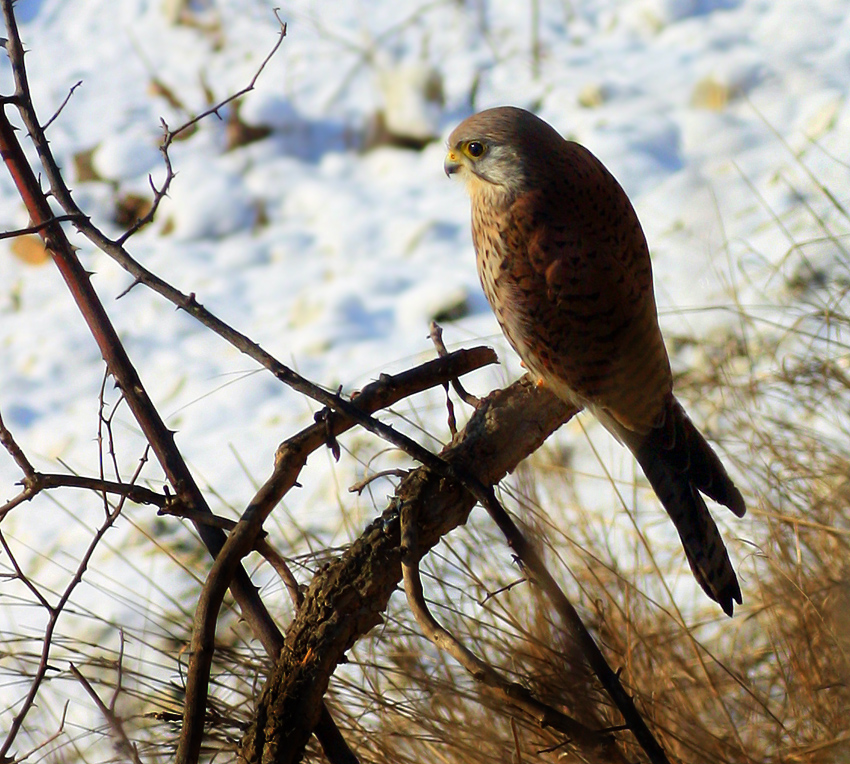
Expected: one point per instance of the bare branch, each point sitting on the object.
(44, 743)
(291, 457)
(509, 692)
(361, 484)
(106, 422)
(41, 226)
(610, 679)
(122, 742)
(186, 302)
(169, 137)
(37, 482)
(15, 451)
(135, 493)
(275, 559)
(436, 334)
(54, 612)
(346, 600)
(62, 105)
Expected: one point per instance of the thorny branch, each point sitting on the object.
(158, 435)
(291, 457)
(40, 227)
(512, 693)
(124, 744)
(37, 482)
(170, 135)
(8, 442)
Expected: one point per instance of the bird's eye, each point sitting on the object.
(475, 149)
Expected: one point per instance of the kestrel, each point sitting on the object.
(565, 266)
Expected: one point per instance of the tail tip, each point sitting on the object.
(728, 597)
(736, 502)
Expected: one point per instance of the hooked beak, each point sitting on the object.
(451, 164)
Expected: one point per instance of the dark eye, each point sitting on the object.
(475, 149)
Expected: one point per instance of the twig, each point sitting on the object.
(15, 451)
(123, 743)
(170, 135)
(610, 680)
(103, 421)
(136, 493)
(37, 482)
(361, 484)
(275, 559)
(119, 681)
(510, 692)
(436, 334)
(119, 364)
(187, 513)
(62, 105)
(53, 611)
(502, 590)
(40, 227)
(44, 743)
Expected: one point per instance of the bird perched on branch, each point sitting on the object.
(565, 267)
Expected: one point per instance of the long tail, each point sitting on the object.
(680, 464)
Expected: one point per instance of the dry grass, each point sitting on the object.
(770, 685)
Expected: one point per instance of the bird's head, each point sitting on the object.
(500, 148)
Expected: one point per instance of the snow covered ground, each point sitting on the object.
(335, 259)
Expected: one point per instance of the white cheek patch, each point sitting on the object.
(475, 186)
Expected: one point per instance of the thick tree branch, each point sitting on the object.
(347, 599)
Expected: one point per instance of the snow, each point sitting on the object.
(335, 259)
